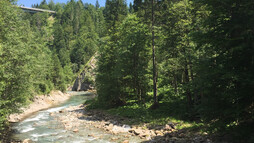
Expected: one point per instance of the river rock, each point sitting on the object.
(131, 130)
(138, 131)
(145, 134)
(61, 111)
(126, 127)
(159, 133)
(125, 141)
(148, 137)
(159, 127)
(171, 125)
(167, 127)
(27, 141)
(75, 130)
(152, 133)
(91, 135)
(110, 127)
(67, 126)
(114, 139)
(107, 123)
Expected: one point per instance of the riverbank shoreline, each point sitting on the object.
(75, 118)
(116, 125)
(40, 102)
(72, 122)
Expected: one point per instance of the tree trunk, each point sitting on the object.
(155, 104)
(175, 83)
(191, 71)
(187, 80)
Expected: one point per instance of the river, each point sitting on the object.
(41, 127)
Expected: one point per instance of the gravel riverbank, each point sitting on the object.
(76, 120)
(76, 116)
(40, 102)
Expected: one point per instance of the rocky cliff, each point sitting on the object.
(86, 79)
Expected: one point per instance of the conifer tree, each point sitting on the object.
(132, 63)
(114, 12)
(97, 5)
(226, 74)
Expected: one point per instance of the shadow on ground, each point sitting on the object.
(164, 133)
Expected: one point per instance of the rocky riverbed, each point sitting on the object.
(67, 123)
(72, 122)
(75, 116)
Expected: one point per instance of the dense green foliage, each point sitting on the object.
(108, 53)
(204, 58)
(15, 64)
(41, 52)
(204, 54)
(227, 66)
(127, 67)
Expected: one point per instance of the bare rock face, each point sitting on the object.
(86, 78)
(76, 85)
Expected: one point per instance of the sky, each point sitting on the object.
(28, 3)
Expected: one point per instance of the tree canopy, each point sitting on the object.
(203, 61)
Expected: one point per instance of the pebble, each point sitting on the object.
(125, 141)
(27, 141)
(75, 130)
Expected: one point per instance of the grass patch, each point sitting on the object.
(141, 114)
(177, 112)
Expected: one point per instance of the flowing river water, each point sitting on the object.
(41, 127)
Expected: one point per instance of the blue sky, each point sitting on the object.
(28, 3)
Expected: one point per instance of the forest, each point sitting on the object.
(191, 60)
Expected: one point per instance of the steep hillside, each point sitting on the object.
(86, 79)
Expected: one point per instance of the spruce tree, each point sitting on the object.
(226, 74)
(133, 59)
